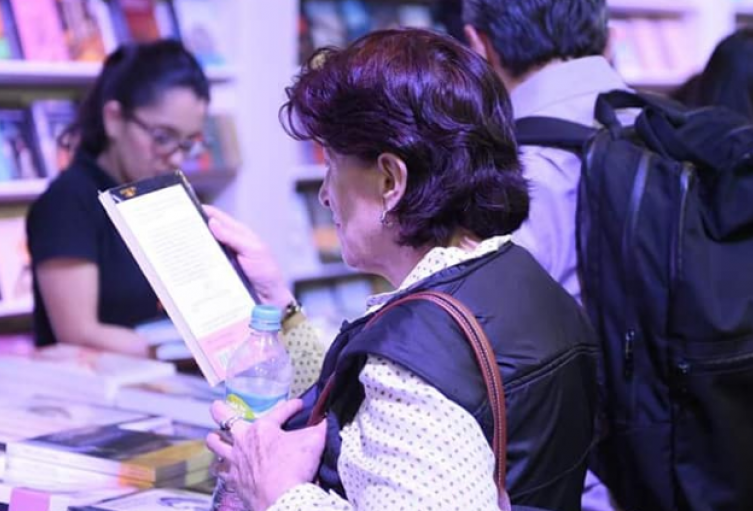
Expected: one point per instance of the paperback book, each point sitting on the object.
(196, 279)
(140, 455)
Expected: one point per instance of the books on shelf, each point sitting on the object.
(65, 370)
(651, 50)
(201, 31)
(15, 262)
(153, 500)
(39, 30)
(223, 150)
(198, 283)
(9, 45)
(51, 117)
(112, 449)
(81, 30)
(19, 158)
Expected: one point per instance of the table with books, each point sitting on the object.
(93, 431)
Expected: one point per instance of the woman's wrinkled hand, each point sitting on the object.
(254, 256)
(261, 461)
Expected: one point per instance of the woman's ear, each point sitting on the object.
(112, 118)
(393, 179)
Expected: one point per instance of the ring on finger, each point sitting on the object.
(226, 424)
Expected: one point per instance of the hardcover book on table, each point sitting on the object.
(196, 280)
(141, 455)
(154, 500)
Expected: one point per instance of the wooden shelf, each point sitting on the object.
(29, 73)
(22, 190)
(650, 7)
(16, 308)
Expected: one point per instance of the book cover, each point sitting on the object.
(326, 26)
(112, 449)
(183, 397)
(40, 474)
(18, 141)
(39, 30)
(64, 370)
(154, 500)
(9, 45)
(53, 496)
(201, 30)
(81, 31)
(15, 262)
(41, 415)
(198, 283)
(51, 117)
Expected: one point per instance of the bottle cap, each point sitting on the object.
(266, 318)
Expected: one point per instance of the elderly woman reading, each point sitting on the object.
(424, 185)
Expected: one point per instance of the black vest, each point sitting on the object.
(545, 351)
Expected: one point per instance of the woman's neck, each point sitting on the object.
(405, 259)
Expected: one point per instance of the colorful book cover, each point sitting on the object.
(39, 29)
(19, 144)
(162, 499)
(112, 449)
(201, 30)
(15, 262)
(40, 415)
(9, 47)
(145, 20)
(81, 30)
(51, 117)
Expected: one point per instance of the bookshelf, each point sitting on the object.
(25, 82)
(25, 73)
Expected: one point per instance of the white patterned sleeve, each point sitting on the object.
(307, 355)
(409, 447)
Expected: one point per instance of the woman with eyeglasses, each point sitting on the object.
(143, 116)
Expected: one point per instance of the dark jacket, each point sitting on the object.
(545, 350)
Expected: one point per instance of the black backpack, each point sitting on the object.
(665, 250)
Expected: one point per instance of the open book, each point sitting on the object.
(197, 281)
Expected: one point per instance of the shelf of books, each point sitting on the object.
(651, 42)
(30, 73)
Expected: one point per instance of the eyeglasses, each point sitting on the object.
(166, 142)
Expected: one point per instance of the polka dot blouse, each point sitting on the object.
(409, 447)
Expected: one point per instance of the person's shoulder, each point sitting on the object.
(73, 188)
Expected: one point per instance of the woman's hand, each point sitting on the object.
(254, 257)
(263, 461)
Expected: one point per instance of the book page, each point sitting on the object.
(193, 269)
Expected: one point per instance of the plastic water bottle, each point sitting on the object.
(259, 375)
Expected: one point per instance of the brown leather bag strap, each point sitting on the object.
(484, 352)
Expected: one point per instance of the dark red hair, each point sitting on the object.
(434, 103)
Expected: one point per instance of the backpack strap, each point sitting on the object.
(487, 362)
(553, 132)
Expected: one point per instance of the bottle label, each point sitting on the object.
(250, 406)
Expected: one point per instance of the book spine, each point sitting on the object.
(72, 459)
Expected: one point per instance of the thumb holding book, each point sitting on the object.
(254, 256)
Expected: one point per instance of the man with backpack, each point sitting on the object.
(641, 209)
(549, 54)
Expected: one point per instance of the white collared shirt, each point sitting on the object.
(565, 90)
(409, 447)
